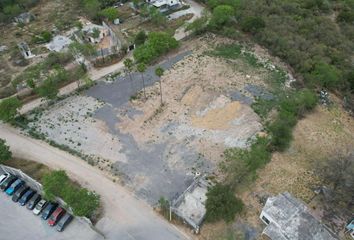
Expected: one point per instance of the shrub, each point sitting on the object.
(8, 108)
(221, 204)
(222, 15)
(140, 38)
(5, 153)
(157, 44)
(48, 89)
(110, 13)
(252, 24)
(82, 201)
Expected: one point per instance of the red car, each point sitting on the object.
(56, 215)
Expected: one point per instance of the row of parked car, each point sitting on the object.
(24, 195)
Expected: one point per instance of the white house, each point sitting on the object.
(287, 218)
(25, 50)
(165, 5)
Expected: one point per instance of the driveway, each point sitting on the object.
(124, 216)
(196, 9)
(18, 223)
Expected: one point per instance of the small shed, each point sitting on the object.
(25, 50)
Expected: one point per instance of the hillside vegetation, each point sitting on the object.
(315, 37)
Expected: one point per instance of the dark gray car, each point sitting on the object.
(19, 193)
(64, 221)
(33, 201)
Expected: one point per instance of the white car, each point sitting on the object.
(39, 207)
(3, 177)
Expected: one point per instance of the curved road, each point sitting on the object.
(124, 217)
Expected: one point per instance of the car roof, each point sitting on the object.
(58, 211)
(22, 188)
(65, 218)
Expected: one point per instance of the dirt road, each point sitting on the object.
(124, 217)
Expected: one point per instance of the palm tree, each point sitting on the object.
(128, 63)
(159, 72)
(142, 68)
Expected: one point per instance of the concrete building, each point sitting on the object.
(25, 50)
(94, 33)
(59, 43)
(287, 218)
(190, 206)
(24, 18)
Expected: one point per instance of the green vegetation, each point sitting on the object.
(11, 8)
(85, 49)
(157, 44)
(43, 37)
(82, 201)
(8, 108)
(164, 206)
(222, 15)
(140, 38)
(110, 13)
(48, 89)
(5, 153)
(222, 204)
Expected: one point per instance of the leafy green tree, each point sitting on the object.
(5, 153)
(159, 72)
(82, 201)
(110, 13)
(141, 67)
(164, 205)
(157, 44)
(140, 38)
(222, 15)
(252, 24)
(54, 184)
(221, 204)
(129, 64)
(157, 17)
(8, 108)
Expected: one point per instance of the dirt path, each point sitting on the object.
(124, 217)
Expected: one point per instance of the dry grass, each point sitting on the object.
(33, 169)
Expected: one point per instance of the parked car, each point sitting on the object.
(33, 201)
(5, 184)
(3, 177)
(19, 193)
(56, 216)
(48, 210)
(40, 206)
(26, 197)
(15, 186)
(63, 222)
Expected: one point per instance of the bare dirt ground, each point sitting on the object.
(319, 135)
(157, 150)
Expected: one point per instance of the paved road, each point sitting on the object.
(124, 217)
(18, 223)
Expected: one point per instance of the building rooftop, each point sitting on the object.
(290, 219)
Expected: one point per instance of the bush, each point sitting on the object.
(252, 24)
(222, 15)
(221, 204)
(48, 89)
(5, 153)
(8, 108)
(157, 44)
(82, 201)
(140, 38)
(110, 13)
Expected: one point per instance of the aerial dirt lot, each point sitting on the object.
(156, 150)
(320, 134)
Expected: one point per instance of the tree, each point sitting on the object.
(8, 108)
(199, 25)
(157, 17)
(82, 201)
(221, 204)
(54, 184)
(140, 38)
(159, 72)
(110, 13)
(157, 44)
(222, 15)
(5, 153)
(91, 7)
(252, 24)
(164, 205)
(142, 68)
(337, 173)
(128, 63)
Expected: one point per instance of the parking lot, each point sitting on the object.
(19, 223)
